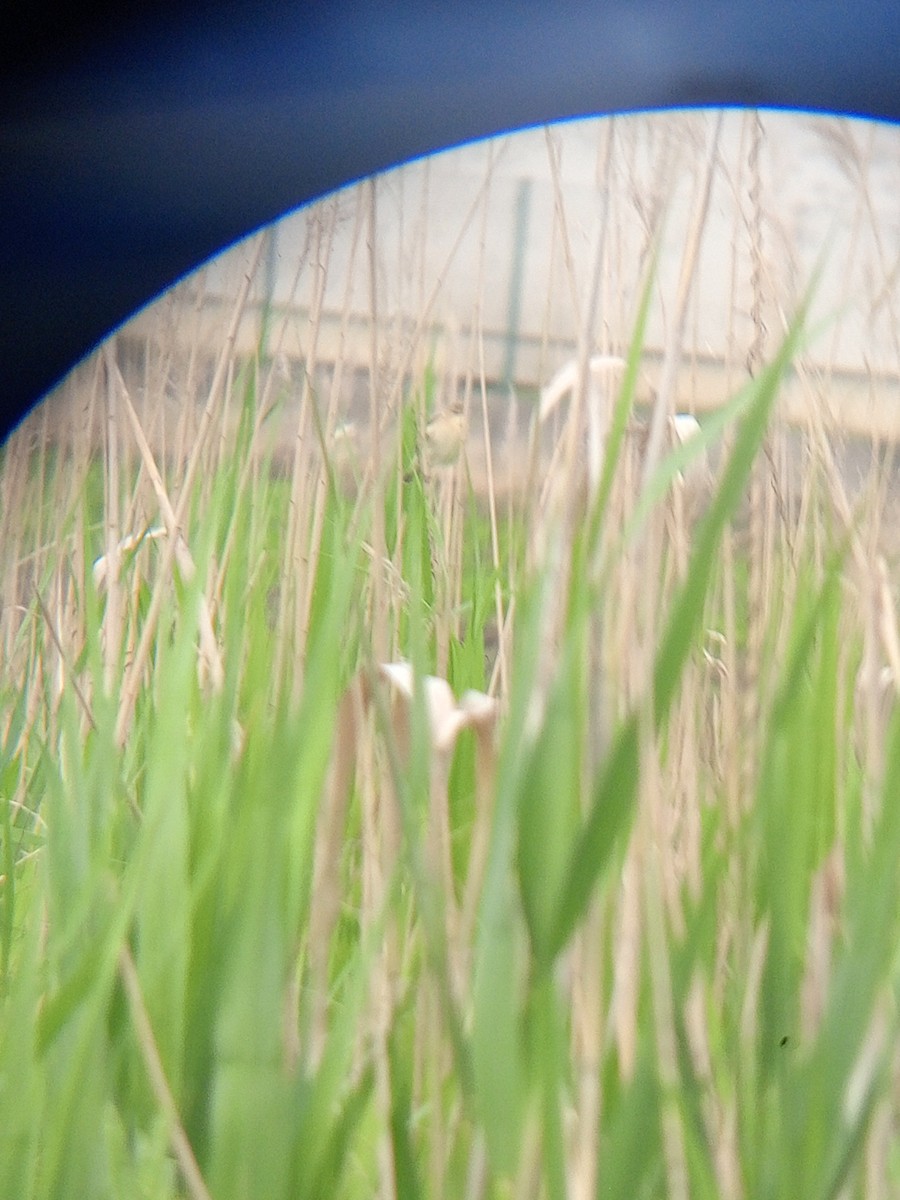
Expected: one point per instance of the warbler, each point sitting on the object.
(445, 435)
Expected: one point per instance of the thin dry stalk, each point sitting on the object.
(264, 409)
(326, 894)
(298, 572)
(378, 615)
(561, 225)
(185, 429)
(719, 1115)
(587, 1048)
(131, 682)
(476, 1177)
(423, 317)
(650, 195)
(485, 778)
(823, 928)
(658, 936)
(68, 626)
(664, 405)
(881, 1142)
(502, 663)
(244, 486)
(113, 616)
(64, 661)
(381, 852)
(211, 665)
(16, 565)
(302, 479)
(596, 421)
(321, 485)
(447, 561)
(431, 1089)
(758, 594)
(627, 960)
(181, 1146)
(859, 170)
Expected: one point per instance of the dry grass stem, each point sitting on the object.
(181, 1147)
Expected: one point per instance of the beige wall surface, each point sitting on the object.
(484, 257)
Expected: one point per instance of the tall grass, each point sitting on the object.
(278, 921)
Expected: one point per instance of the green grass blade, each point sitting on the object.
(501, 950)
(550, 798)
(688, 606)
(612, 804)
(621, 414)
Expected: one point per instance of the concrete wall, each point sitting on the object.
(482, 257)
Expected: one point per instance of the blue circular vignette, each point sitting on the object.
(136, 144)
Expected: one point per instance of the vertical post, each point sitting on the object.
(270, 269)
(516, 277)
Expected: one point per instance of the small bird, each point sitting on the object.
(445, 435)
